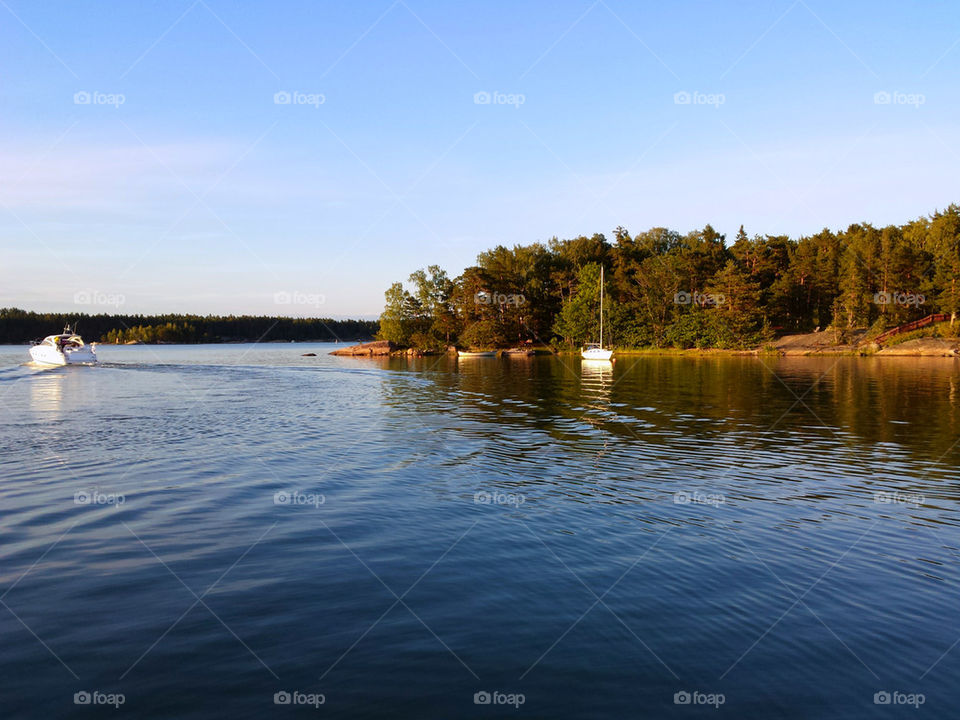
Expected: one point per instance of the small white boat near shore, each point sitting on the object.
(67, 348)
(596, 351)
(480, 354)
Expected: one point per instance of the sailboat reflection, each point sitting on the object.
(596, 379)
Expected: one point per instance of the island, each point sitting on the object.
(889, 290)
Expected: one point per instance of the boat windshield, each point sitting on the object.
(71, 341)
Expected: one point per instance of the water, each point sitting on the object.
(198, 528)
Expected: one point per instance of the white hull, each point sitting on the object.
(596, 354)
(47, 355)
(464, 354)
(596, 351)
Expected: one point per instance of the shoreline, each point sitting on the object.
(787, 346)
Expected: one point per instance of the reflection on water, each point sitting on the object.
(910, 401)
(596, 372)
(46, 393)
(596, 381)
(698, 497)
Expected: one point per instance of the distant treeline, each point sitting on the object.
(664, 289)
(20, 326)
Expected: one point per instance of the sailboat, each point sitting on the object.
(596, 351)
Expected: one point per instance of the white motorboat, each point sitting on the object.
(67, 348)
(480, 354)
(596, 351)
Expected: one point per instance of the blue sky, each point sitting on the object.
(186, 184)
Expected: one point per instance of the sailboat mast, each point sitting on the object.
(601, 305)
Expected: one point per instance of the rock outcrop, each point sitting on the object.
(370, 349)
(922, 347)
(817, 343)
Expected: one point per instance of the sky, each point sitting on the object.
(295, 158)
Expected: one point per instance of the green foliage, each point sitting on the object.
(626, 327)
(398, 318)
(879, 326)
(484, 334)
(769, 284)
(426, 341)
(579, 319)
(699, 328)
(20, 326)
(937, 330)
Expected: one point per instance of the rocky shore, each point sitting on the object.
(923, 347)
(371, 349)
(824, 343)
(806, 344)
(378, 348)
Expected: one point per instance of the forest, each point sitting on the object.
(664, 289)
(21, 326)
